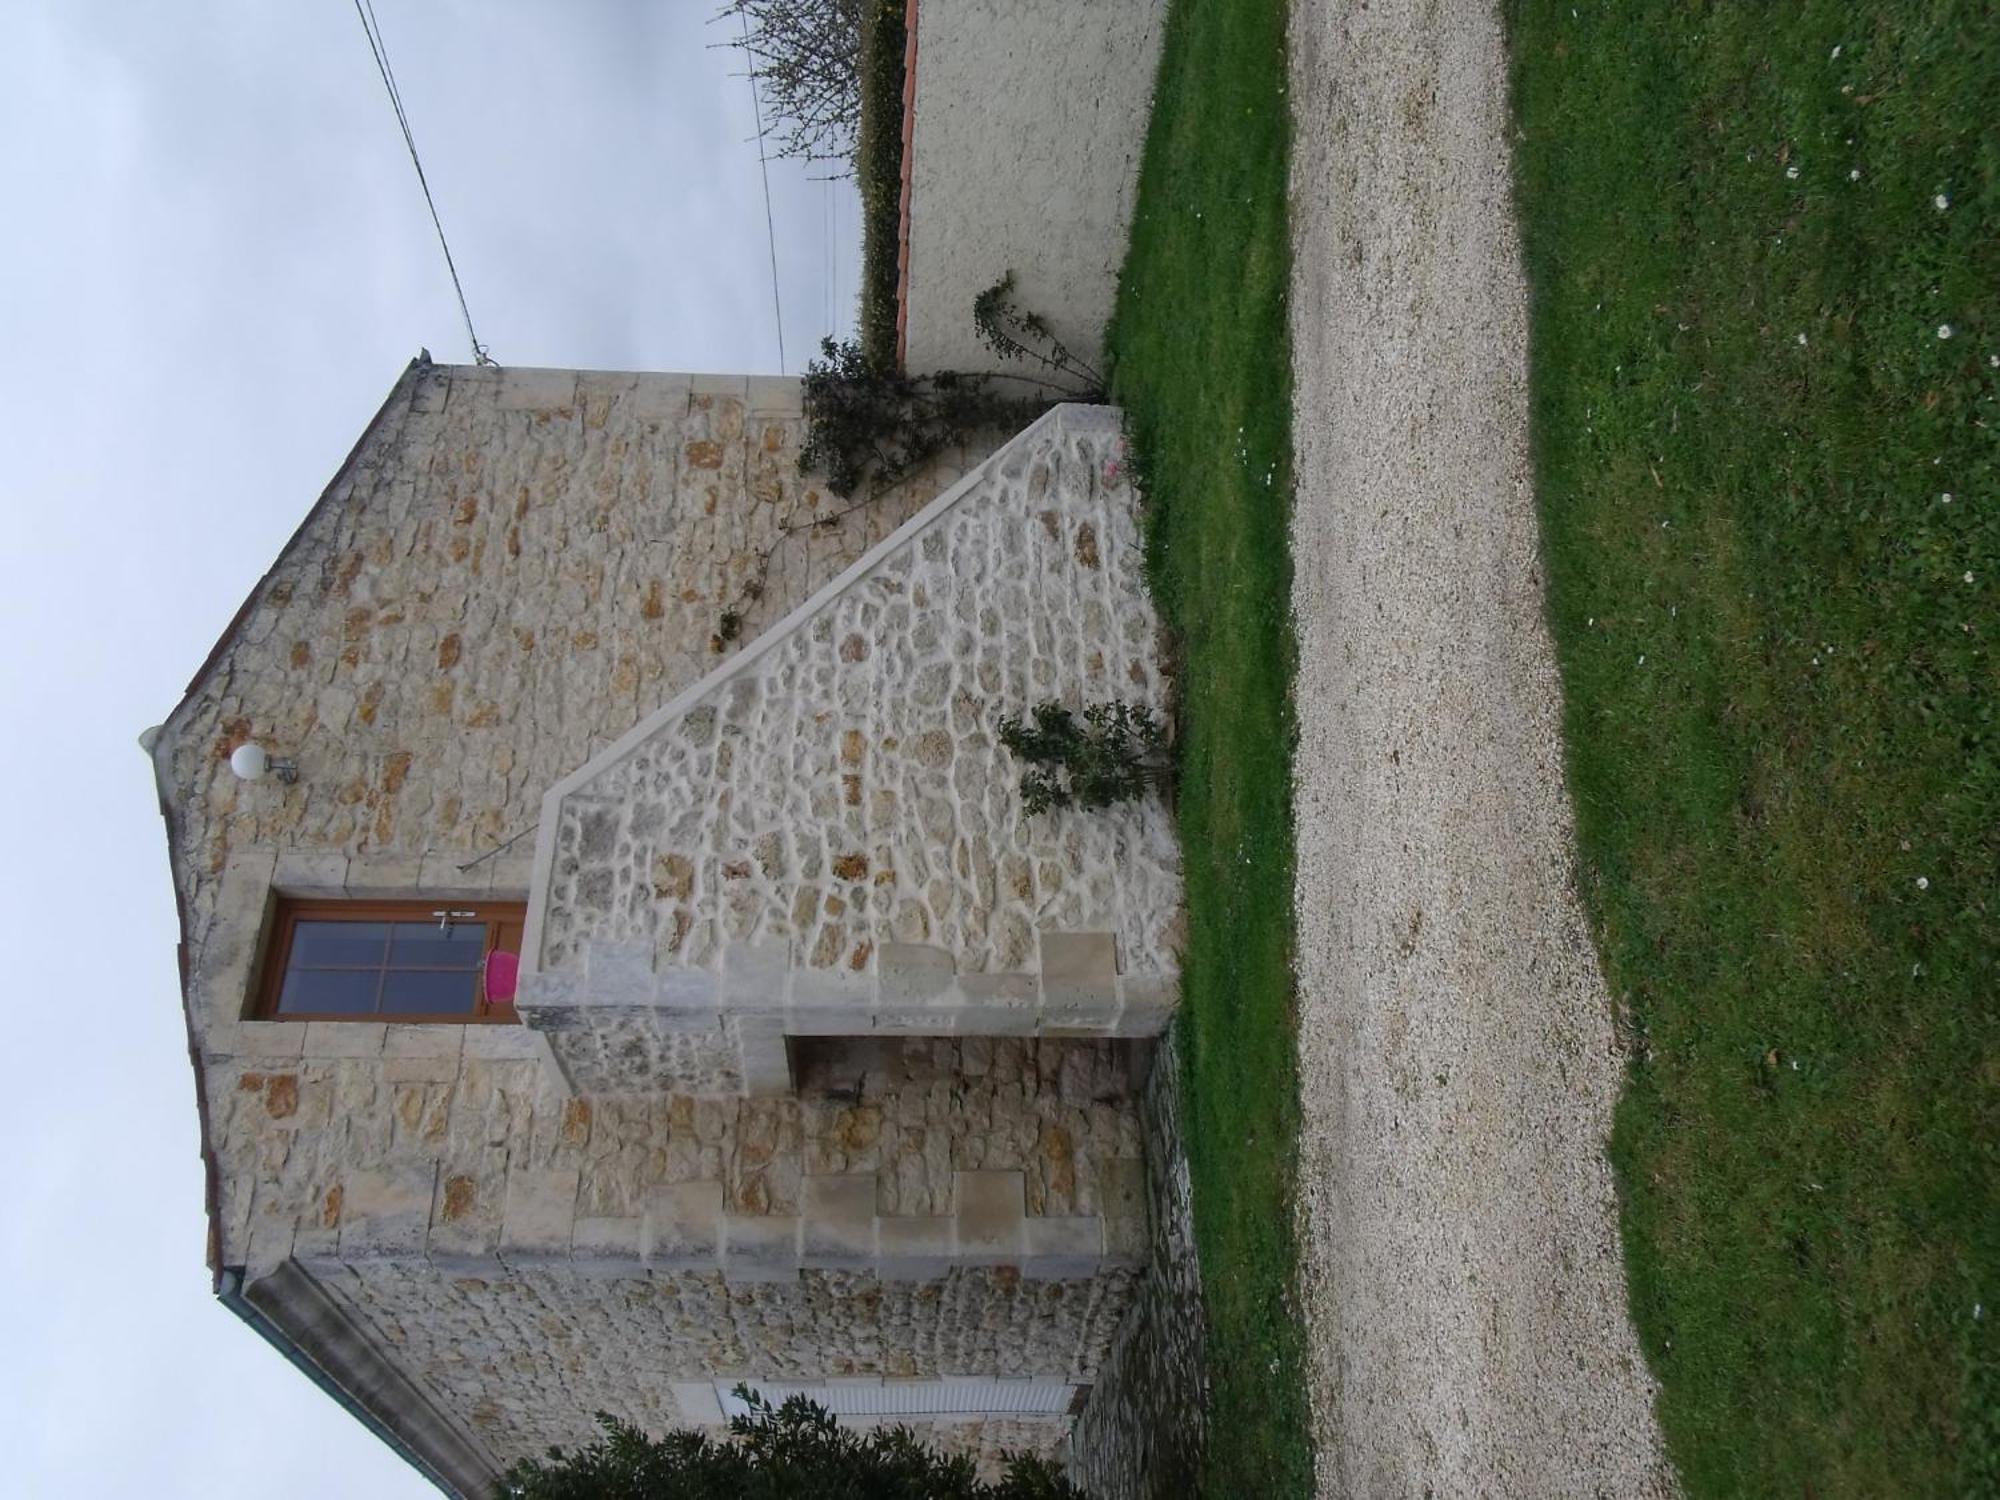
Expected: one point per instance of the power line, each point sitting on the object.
(365, 9)
(764, 166)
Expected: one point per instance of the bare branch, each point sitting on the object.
(806, 54)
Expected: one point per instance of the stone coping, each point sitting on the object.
(687, 1227)
(1077, 992)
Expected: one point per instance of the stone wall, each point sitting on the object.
(530, 1256)
(511, 569)
(1031, 117)
(460, 1142)
(824, 836)
(1144, 1427)
(527, 1353)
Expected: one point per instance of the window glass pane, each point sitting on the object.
(328, 991)
(419, 945)
(430, 991)
(335, 945)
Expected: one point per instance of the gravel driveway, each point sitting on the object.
(1458, 1062)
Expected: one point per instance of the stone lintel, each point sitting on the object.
(386, 877)
(302, 873)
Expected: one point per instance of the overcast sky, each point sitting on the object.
(215, 262)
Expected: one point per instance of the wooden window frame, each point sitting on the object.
(504, 921)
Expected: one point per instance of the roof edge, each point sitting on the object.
(416, 366)
(156, 753)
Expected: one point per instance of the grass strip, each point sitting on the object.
(1765, 256)
(1201, 364)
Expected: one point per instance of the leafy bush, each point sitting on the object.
(793, 1452)
(1116, 753)
(868, 421)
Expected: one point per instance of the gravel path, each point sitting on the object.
(1458, 1060)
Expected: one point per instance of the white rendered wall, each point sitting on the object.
(1030, 121)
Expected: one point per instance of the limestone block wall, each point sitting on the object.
(511, 567)
(1030, 119)
(926, 1208)
(528, 1352)
(508, 572)
(825, 837)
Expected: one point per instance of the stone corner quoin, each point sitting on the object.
(831, 1059)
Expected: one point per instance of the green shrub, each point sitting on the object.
(1115, 754)
(793, 1452)
(869, 423)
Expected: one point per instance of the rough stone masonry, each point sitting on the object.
(510, 572)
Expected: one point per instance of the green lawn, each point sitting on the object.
(1201, 364)
(1765, 250)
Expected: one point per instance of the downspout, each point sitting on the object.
(229, 1292)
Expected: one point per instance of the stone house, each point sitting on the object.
(820, 1070)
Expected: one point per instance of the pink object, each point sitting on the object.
(503, 974)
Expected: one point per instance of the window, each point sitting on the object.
(387, 961)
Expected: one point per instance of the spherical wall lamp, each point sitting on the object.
(250, 762)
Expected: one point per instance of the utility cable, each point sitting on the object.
(764, 166)
(365, 9)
